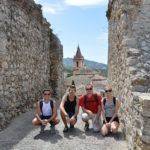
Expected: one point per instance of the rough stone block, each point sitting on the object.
(146, 139)
(146, 2)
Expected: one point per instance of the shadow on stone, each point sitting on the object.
(16, 131)
(117, 136)
(48, 136)
(92, 133)
(76, 132)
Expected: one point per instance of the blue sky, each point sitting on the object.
(80, 22)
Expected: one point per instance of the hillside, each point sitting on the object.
(68, 64)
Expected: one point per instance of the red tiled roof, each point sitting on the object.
(98, 78)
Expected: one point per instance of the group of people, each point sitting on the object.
(102, 110)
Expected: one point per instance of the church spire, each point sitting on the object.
(78, 54)
(78, 62)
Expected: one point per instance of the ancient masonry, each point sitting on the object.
(129, 66)
(30, 57)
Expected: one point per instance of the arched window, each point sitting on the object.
(77, 64)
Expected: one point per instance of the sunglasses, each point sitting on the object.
(107, 91)
(89, 89)
(46, 93)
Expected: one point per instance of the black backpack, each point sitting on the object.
(95, 98)
(51, 105)
(114, 101)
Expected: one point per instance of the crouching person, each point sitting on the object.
(91, 106)
(46, 112)
(68, 108)
(110, 113)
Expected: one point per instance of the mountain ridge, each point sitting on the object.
(93, 65)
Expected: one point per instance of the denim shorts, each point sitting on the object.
(45, 117)
(109, 118)
(70, 114)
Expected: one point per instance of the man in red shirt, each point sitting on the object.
(91, 106)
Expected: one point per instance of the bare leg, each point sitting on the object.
(114, 126)
(104, 130)
(63, 118)
(73, 121)
(55, 121)
(36, 122)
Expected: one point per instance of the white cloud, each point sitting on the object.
(37, 1)
(85, 2)
(61, 5)
(52, 8)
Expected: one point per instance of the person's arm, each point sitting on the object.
(38, 111)
(116, 110)
(99, 109)
(99, 104)
(103, 114)
(62, 105)
(103, 111)
(89, 112)
(76, 109)
(54, 112)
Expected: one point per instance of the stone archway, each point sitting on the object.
(129, 66)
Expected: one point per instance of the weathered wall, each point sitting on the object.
(129, 61)
(139, 130)
(25, 57)
(56, 68)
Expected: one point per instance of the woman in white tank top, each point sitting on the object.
(46, 109)
(46, 112)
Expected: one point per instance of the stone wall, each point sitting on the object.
(139, 134)
(25, 57)
(129, 58)
(56, 68)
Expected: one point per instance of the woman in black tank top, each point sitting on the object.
(68, 108)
